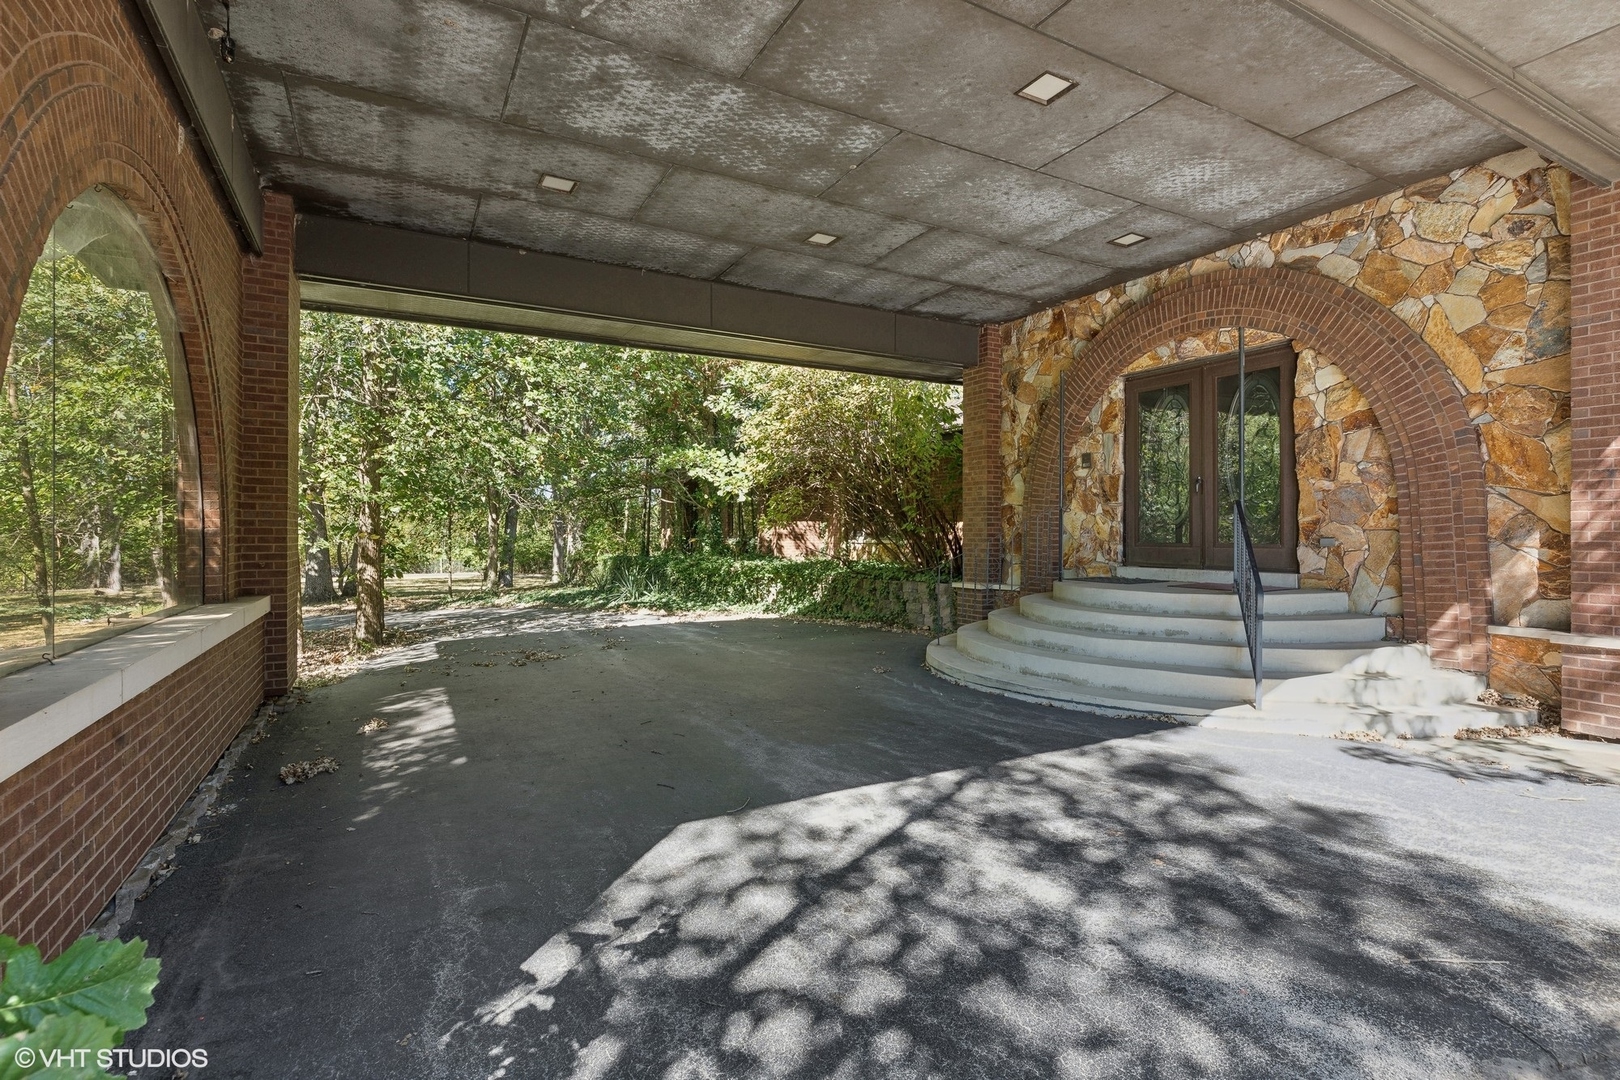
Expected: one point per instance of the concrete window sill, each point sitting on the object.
(45, 706)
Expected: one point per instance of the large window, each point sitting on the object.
(99, 521)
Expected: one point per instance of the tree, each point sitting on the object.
(873, 457)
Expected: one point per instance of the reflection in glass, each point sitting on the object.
(1163, 513)
(1262, 453)
(97, 518)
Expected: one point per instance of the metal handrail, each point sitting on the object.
(1250, 593)
(1246, 584)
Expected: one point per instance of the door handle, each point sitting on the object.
(1198, 485)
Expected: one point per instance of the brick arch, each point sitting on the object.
(1439, 470)
(94, 120)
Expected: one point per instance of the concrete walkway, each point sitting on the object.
(607, 846)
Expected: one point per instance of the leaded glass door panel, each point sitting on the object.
(1181, 462)
(1163, 474)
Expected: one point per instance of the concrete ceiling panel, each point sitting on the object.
(1028, 12)
(1586, 75)
(1519, 31)
(1190, 158)
(391, 135)
(579, 86)
(1249, 57)
(454, 53)
(921, 179)
(964, 259)
(805, 275)
(975, 306)
(1171, 238)
(562, 231)
(385, 200)
(259, 97)
(948, 70)
(711, 205)
(1409, 137)
(679, 29)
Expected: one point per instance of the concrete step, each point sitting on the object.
(1269, 578)
(1340, 629)
(945, 659)
(1170, 653)
(1217, 688)
(1279, 716)
(1170, 599)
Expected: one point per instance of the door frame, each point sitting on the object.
(1201, 377)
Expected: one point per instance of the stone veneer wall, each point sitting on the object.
(1477, 262)
(1348, 518)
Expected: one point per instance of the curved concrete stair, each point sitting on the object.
(1328, 629)
(1172, 651)
(1155, 647)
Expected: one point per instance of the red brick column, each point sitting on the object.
(1592, 668)
(267, 458)
(981, 479)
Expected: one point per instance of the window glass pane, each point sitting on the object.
(1262, 434)
(1164, 465)
(98, 512)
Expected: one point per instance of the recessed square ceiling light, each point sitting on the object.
(1046, 89)
(821, 239)
(560, 184)
(1129, 239)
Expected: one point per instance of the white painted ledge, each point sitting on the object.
(1560, 637)
(45, 706)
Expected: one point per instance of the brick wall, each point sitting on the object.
(1592, 675)
(74, 823)
(981, 477)
(81, 104)
(266, 486)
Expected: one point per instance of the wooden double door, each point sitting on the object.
(1181, 462)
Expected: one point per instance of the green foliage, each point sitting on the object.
(871, 456)
(89, 450)
(818, 588)
(86, 999)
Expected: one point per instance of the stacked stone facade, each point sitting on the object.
(1477, 263)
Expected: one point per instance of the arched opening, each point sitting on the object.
(100, 505)
(1320, 483)
(1435, 458)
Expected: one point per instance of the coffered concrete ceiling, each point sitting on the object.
(711, 138)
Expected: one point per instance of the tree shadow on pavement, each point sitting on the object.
(1098, 912)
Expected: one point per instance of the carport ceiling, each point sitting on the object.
(713, 139)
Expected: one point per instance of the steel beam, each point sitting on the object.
(179, 37)
(367, 269)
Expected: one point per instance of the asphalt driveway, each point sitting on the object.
(627, 846)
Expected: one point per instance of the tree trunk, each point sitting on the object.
(509, 554)
(318, 555)
(559, 548)
(36, 525)
(368, 602)
(163, 565)
(450, 551)
(492, 537)
(115, 569)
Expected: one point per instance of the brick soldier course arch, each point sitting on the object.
(1439, 470)
(80, 117)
